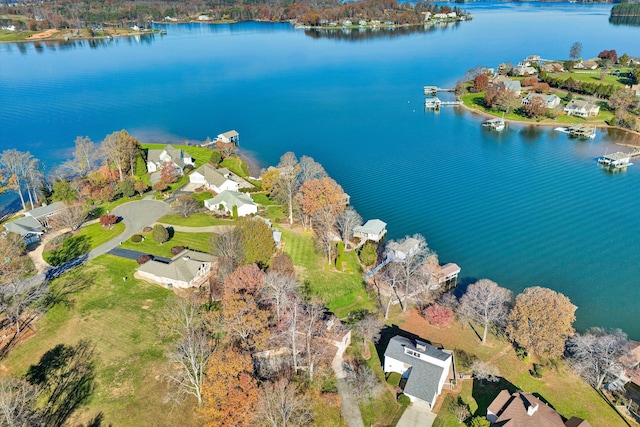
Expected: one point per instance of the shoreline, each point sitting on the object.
(524, 122)
(71, 39)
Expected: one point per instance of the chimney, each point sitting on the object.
(422, 346)
(532, 409)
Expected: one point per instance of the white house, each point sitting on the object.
(400, 251)
(373, 229)
(218, 180)
(425, 367)
(156, 159)
(582, 109)
(525, 71)
(512, 85)
(550, 101)
(228, 199)
(229, 137)
(188, 269)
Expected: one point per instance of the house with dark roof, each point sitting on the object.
(522, 409)
(188, 269)
(214, 179)
(425, 367)
(156, 159)
(373, 229)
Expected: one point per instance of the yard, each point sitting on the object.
(122, 319)
(195, 241)
(83, 241)
(200, 219)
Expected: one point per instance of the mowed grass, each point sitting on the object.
(200, 155)
(384, 409)
(200, 219)
(236, 165)
(341, 292)
(122, 319)
(195, 241)
(561, 387)
(590, 78)
(95, 236)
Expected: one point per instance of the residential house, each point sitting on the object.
(362, 23)
(228, 199)
(512, 85)
(582, 109)
(425, 367)
(522, 409)
(229, 137)
(373, 229)
(218, 180)
(402, 251)
(188, 269)
(43, 213)
(552, 67)
(156, 159)
(28, 227)
(347, 23)
(589, 64)
(448, 276)
(525, 71)
(550, 101)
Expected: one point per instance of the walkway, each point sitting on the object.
(348, 404)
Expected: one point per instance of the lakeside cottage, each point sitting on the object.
(188, 269)
(228, 199)
(34, 223)
(582, 109)
(218, 180)
(550, 101)
(157, 158)
(373, 229)
(229, 137)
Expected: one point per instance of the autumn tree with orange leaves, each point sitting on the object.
(321, 199)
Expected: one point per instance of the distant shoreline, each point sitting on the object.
(60, 37)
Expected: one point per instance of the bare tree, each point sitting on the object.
(189, 355)
(313, 328)
(85, 155)
(369, 329)
(325, 237)
(71, 217)
(228, 247)
(485, 371)
(121, 149)
(18, 403)
(287, 184)
(310, 169)
(598, 353)
(12, 161)
(345, 223)
(487, 303)
(363, 382)
(283, 404)
(186, 205)
(278, 290)
(18, 296)
(575, 51)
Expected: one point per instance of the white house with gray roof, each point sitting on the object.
(188, 269)
(425, 367)
(34, 222)
(229, 137)
(580, 108)
(550, 101)
(156, 159)
(228, 199)
(512, 85)
(373, 229)
(214, 179)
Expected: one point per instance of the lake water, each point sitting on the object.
(526, 207)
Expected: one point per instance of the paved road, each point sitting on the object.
(348, 404)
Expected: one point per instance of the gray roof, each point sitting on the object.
(578, 104)
(373, 226)
(230, 134)
(212, 175)
(424, 376)
(24, 226)
(44, 211)
(182, 267)
(176, 155)
(231, 198)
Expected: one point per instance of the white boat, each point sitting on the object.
(495, 124)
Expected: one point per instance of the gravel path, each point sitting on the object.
(348, 404)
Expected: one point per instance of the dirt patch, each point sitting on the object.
(43, 35)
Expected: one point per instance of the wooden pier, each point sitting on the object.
(433, 90)
(434, 103)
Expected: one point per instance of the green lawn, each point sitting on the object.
(200, 219)
(236, 165)
(590, 78)
(341, 292)
(262, 199)
(384, 409)
(121, 318)
(87, 238)
(200, 155)
(14, 36)
(194, 241)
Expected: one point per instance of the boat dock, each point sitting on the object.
(434, 103)
(432, 90)
(616, 160)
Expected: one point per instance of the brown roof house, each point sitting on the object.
(188, 269)
(522, 409)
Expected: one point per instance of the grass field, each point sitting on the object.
(121, 318)
(195, 241)
(590, 78)
(341, 292)
(200, 219)
(92, 236)
(236, 165)
(200, 155)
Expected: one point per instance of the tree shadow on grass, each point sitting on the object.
(62, 290)
(484, 392)
(71, 248)
(66, 376)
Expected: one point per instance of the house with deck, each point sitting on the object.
(424, 367)
(373, 230)
(582, 109)
(157, 158)
(448, 276)
(209, 176)
(188, 269)
(550, 101)
(229, 137)
(227, 199)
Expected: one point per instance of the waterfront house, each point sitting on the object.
(448, 276)
(228, 199)
(218, 180)
(525, 71)
(589, 64)
(347, 23)
(550, 101)
(188, 269)
(512, 85)
(35, 222)
(552, 67)
(401, 251)
(522, 409)
(229, 137)
(373, 229)
(582, 109)
(425, 368)
(157, 158)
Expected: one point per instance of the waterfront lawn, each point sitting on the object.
(14, 36)
(199, 219)
(262, 199)
(236, 165)
(559, 386)
(122, 319)
(342, 293)
(195, 241)
(200, 155)
(590, 78)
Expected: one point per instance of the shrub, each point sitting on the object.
(537, 370)
(404, 400)
(529, 81)
(393, 379)
(234, 212)
(438, 315)
(479, 422)
(188, 168)
(522, 354)
(159, 186)
(160, 234)
(216, 157)
(175, 250)
(340, 256)
(464, 360)
(108, 220)
(147, 229)
(368, 254)
(137, 238)
(143, 258)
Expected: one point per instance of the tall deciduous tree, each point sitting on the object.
(18, 403)
(245, 322)
(286, 186)
(536, 107)
(487, 303)
(245, 281)
(541, 321)
(121, 149)
(597, 353)
(229, 392)
(257, 240)
(186, 205)
(575, 51)
(71, 217)
(310, 169)
(16, 164)
(485, 371)
(345, 223)
(283, 404)
(228, 247)
(278, 290)
(369, 329)
(322, 196)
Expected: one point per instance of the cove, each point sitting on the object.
(526, 207)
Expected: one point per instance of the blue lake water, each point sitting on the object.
(526, 207)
